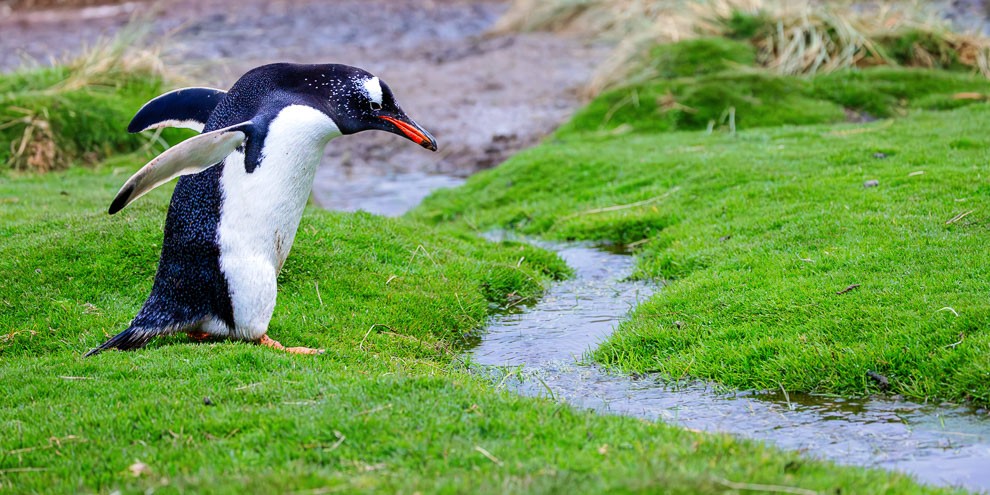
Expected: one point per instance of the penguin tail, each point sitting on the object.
(132, 338)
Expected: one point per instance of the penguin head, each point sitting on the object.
(356, 100)
(344, 100)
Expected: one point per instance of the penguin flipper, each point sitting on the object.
(186, 107)
(191, 156)
(132, 338)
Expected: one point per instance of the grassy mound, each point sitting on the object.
(787, 36)
(103, 264)
(805, 257)
(77, 113)
(388, 408)
(705, 84)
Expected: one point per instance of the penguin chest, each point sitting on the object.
(261, 209)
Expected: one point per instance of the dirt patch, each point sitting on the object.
(483, 97)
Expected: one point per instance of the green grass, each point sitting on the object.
(61, 116)
(391, 407)
(708, 83)
(388, 408)
(700, 57)
(757, 232)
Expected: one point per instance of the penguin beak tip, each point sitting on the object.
(413, 131)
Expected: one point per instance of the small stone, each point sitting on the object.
(871, 183)
(679, 324)
(207, 401)
(879, 155)
(139, 468)
(882, 382)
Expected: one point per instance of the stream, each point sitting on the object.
(543, 348)
(478, 94)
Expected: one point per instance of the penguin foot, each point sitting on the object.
(274, 344)
(198, 336)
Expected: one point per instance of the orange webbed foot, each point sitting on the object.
(274, 344)
(198, 336)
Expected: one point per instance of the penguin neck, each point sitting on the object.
(300, 128)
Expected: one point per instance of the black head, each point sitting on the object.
(355, 99)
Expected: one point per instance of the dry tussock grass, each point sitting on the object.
(797, 36)
(104, 66)
(36, 150)
(109, 60)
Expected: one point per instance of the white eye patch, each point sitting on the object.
(374, 89)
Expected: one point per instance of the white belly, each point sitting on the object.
(261, 212)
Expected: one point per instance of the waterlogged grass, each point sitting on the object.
(784, 268)
(388, 408)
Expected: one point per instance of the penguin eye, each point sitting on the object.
(376, 106)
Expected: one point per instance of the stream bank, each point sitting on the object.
(539, 351)
(382, 164)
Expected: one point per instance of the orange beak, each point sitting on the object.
(414, 132)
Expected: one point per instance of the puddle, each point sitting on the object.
(389, 196)
(546, 342)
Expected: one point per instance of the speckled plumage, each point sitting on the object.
(209, 237)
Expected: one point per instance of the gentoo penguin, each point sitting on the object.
(246, 180)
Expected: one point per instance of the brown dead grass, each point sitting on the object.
(802, 36)
(99, 68)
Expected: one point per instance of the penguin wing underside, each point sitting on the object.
(191, 156)
(186, 107)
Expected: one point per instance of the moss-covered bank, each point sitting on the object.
(388, 408)
(798, 255)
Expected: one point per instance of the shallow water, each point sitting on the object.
(391, 195)
(543, 347)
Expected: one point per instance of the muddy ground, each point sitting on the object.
(483, 97)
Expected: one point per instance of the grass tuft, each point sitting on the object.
(803, 37)
(75, 113)
(705, 84)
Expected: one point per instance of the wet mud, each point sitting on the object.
(483, 97)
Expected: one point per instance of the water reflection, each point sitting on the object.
(542, 346)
